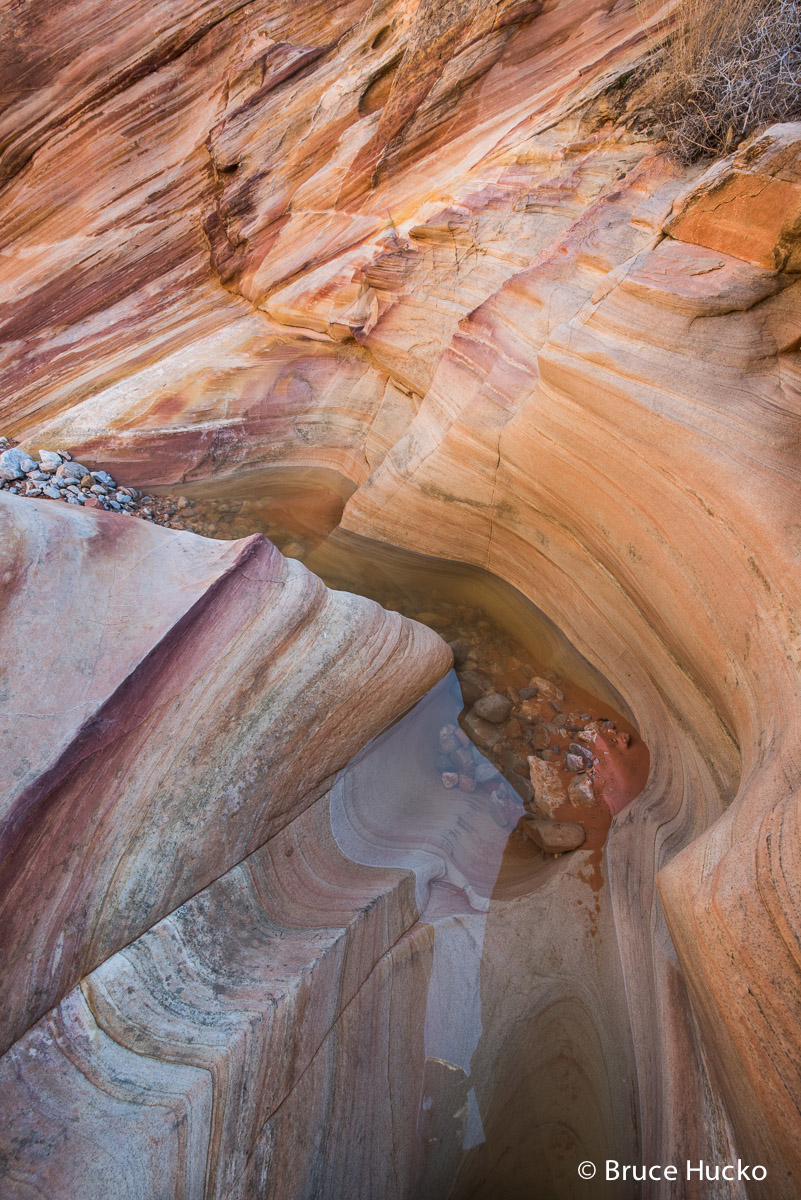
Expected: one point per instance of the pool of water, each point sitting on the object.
(562, 711)
(519, 1057)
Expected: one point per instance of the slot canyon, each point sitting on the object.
(401, 750)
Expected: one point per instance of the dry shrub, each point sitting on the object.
(729, 67)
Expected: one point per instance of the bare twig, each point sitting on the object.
(730, 67)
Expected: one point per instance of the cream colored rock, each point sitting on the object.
(550, 792)
(555, 837)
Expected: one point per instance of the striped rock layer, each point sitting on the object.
(431, 256)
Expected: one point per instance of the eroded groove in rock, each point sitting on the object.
(696, 468)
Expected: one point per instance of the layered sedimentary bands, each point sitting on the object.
(427, 273)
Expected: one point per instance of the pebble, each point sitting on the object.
(540, 737)
(55, 476)
(450, 779)
(549, 790)
(447, 739)
(473, 686)
(581, 751)
(493, 707)
(580, 790)
(484, 733)
(499, 810)
(71, 471)
(459, 652)
(50, 460)
(467, 783)
(545, 690)
(555, 837)
(15, 464)
(485, 772)
(575, 762)
(463, 760)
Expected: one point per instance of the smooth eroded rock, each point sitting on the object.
(555, 837)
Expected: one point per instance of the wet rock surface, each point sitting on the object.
(555, 837)
(525, 736)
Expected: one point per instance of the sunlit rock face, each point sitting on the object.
(429, 254)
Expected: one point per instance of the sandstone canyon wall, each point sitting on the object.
(436, 259)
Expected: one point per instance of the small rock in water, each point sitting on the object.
(580, 790)
(467, 783)
(499, 810)
(450, 779)
(459, 652)
(549, 790)
(540, 737)
(493, 707)
(462, 759)
(483, 733)
(582, 751)
(555, 837)
(546, 690)
(447, 739)
(530, 711)
(473, 687)
(485, 772)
